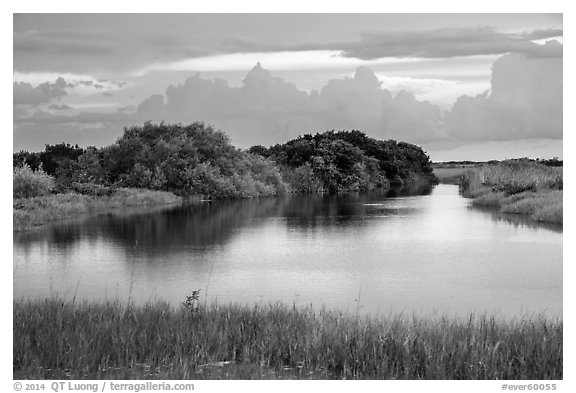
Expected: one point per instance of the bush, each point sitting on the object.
(28, 183)
(303, 180)
(347, 161)
(92, 189)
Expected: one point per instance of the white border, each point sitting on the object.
(356, 6)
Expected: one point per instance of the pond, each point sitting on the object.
(427, 253)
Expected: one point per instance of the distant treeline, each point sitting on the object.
(198, 159)
(451, 164)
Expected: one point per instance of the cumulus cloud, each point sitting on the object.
(26, 94)
(525, 101)
(267, 109)
(33, 89)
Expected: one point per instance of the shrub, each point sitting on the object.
(92, 189)
(28, 183)
(347, 161)
(303, 180)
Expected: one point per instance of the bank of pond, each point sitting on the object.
(63, 339)
(34, 212)
(197, 159)
(69, 338)
(520, 187)
(161, 163)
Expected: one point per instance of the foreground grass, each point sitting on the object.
(57, 339)
(517, 187)
(33, 212)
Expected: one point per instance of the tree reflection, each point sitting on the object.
(205, 225)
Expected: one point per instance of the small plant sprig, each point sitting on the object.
(191, 302)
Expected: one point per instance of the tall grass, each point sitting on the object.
(517, 187)
(450, 175)
(27, 183)
(33, 212)
(61, 339)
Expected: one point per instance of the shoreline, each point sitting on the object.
(36, 212)
(63, 339)
(517, 188)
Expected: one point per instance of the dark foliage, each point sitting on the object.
(197, 159)
(193, 159)
(58, 161)
(347, 161)
(551, 162)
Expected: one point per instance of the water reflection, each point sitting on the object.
(425, 251)
(198, 225)
(517, 220)
(203, 225)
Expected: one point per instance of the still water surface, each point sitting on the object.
(430, 253)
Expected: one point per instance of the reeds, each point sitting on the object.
(517, 187)
(33, 212)
(59, 339)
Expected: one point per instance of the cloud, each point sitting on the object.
(99, 45)
(451, 43)
(62, 42)
(371, 49)
(152, 106)
(61, 107)
(294, 60)
(525, 101)
(42, 87)
(437, 43)
(117, 44)
(26, 94)
(360, 102)
(267, 109)
(39, 116)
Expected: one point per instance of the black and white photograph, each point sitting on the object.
(286, 196)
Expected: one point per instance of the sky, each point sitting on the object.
(463, 86)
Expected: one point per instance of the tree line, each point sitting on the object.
(198, 159)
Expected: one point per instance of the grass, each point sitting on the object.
(58, 339)
(517, 187)
(450, 175)
(33, 212)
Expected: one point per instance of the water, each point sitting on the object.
(424, 254)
